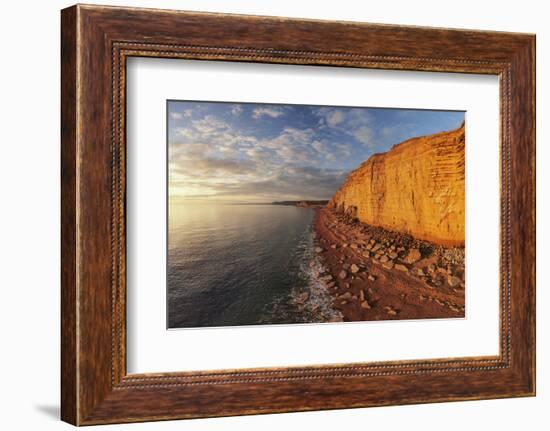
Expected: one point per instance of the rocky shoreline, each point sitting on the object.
(376, 274)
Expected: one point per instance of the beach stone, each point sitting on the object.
(431, 268)
(354, 268)
(331, 285)
(389, 264)
(318, 249)
(371, 277)
(419, 271)
(345, 266)
(384, 258)
(391, 311)
(343, 274)
(344, 245)
(393, 255)
(365, 305)
(354, 246)
(453, 281)
(366, 254)
(361, 295)
(413, 256)
(333, 246)
(376, 247)
(369, 247)
(400, 267)
(346, 295)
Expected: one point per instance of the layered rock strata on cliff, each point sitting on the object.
(417, 188)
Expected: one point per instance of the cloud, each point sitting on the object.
(236, 110)
(270, 112)
(218, 161)
(334, 118)
(281, 183)
(354, 122)
(363, 134)
(216, 156)
(209, 124)
(212, 166)
(175, 115)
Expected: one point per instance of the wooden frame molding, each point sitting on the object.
(96, 41)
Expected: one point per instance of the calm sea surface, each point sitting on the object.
(234, 265)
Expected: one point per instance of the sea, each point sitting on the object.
(243, 264)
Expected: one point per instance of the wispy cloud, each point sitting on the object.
(236, 110)
(356, 122)
(334, 117)
(363, 134)
(267, 111)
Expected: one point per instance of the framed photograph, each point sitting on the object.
(265, 215)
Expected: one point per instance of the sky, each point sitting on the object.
(248, 152)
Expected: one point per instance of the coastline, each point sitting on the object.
(375, 274)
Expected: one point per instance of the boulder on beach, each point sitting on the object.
(389, 264)
(453, 281)
(413, 256)
(365, 305)
(400, 267)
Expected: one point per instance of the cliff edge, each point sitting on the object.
(417, 188)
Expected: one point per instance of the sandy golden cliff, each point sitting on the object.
(417, 188)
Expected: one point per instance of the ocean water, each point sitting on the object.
(231, 265)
